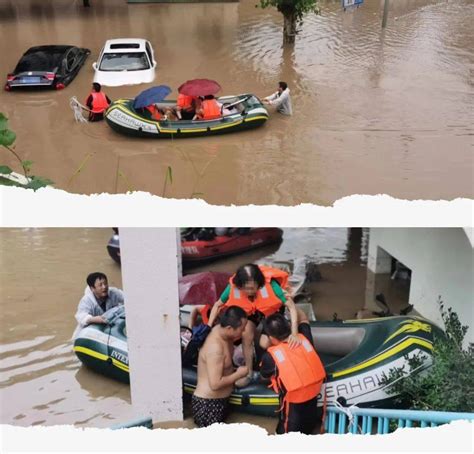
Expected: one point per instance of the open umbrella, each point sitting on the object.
(199, 87)
(151, 96)
(202, 288)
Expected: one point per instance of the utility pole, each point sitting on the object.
(385, 13)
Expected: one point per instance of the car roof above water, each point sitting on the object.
(48, 49)
(125, 45)
(41, 58)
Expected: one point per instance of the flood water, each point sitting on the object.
(374, 112)
(42, 278)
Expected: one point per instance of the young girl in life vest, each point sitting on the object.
(260, 292)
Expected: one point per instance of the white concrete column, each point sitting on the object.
(379, 261)
(179, 253)
(150, 281)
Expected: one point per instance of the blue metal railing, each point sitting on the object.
(142, 422)
(378, 421)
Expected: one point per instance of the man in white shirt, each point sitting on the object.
(98, 298)
(281, 99)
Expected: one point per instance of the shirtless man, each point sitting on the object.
(216, 375)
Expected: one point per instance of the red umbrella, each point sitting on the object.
(199, 87)
(202, 288)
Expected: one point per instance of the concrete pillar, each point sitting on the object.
(150, 281)
(379, 261)
(179, 253)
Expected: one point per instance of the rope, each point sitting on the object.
(77, 108)
(348, 412)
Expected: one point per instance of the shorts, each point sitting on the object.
(209, 411)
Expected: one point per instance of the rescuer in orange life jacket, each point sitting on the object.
(210, 109)
(296, 374)
(97, 102)
(260, 291)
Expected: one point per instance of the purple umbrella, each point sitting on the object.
(202, 288)
(199, 87)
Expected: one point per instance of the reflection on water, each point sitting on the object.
(375, 111)
(42, 277)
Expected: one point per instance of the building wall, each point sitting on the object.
(441, 260)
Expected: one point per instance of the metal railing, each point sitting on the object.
(142, 422)
(342, 420)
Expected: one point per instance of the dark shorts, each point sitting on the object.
(209, 411)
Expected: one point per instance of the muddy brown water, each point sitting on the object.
(375, 112)
(42, 278)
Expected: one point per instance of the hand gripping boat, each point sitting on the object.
(355, 353)
(247, 112)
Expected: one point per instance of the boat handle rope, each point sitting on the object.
(77, 108)
(348, 412)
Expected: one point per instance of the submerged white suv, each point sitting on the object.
(126, 61)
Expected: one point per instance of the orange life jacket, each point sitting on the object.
(185, 102)
(300, 371)
(210, 109)
(155, 112)
(99, 102)
(265, 301)
(205, 312)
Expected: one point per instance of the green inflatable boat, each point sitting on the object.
(355, 353)
(243, 112)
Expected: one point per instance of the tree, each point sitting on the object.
(293, 12)
(448, 385)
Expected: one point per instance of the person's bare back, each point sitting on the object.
(216, 376)
(215, 361)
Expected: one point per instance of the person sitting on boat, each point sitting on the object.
(98, 298)
(280, 99)
(210, 109)
(259, 291)
(215, 373)
(155, 112)
(185, 107)
(296, 374)
(97, 102)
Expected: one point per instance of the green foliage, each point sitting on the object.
(296, 8)
(7, 140)
(7, 137)
(448, 385)
(5, 170)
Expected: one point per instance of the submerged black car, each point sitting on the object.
(47, 66)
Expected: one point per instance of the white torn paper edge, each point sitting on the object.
(454, 437)
(50, 207)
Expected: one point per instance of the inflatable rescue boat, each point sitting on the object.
(242, 112)
(355, 353)
(198, 251)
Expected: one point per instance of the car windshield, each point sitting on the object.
(124, 61)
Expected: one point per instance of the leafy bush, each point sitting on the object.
(448, 385)
(7, 140)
